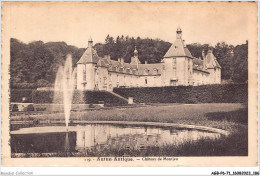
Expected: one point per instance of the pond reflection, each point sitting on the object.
(100, 137)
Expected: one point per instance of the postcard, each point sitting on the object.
(129, 84)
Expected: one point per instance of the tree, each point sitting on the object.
(109, 40)
(223, 53)
(240, 59)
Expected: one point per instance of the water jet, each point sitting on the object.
(64, 87)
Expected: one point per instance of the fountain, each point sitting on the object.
(65, 86)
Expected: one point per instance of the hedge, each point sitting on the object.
(218, 93)
(79, 97)
(17, 95)
(39, 83)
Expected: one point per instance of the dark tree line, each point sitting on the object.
(123, 47)
(38, 62)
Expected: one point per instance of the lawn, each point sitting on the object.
(192, 114)
(226, 116)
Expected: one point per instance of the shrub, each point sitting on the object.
(79, 97)
(43, 83)
(14, 108)
(23, 86)
(40, 83)
(18, 94)
(30, 108)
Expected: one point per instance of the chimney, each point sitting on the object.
(122, 60)
(119, 60)
(204, 59)
(203, 53)
(145, 62)
(90, 42)
(178, 33)
(210, 50)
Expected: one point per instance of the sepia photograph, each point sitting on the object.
(129, 83)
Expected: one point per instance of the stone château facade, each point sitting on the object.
(177, 68)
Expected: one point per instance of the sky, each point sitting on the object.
(75, 22)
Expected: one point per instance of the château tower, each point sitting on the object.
(86, 68)
(178, 63)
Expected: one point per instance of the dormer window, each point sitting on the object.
(122, 69)
(146, 71)
(155, 71)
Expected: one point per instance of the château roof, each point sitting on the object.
(150, 69)
(178, 49)
(89, 56)
(198, 65)
(211, 60)
(136, 68)
(140, 69)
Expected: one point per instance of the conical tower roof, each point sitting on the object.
(211, 60)
(90, 55)
(178, 48)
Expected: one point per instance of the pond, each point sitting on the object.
(99, 140)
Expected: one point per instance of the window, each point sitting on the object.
(173, 82)
(174, 63)
(84, 73)
(105, 80)
(174, 73)
(109, 77)
(84, 76)
(146, 81)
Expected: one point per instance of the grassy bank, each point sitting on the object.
(193, 114)
(230, 117)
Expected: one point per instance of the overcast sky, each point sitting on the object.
(75, 22)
